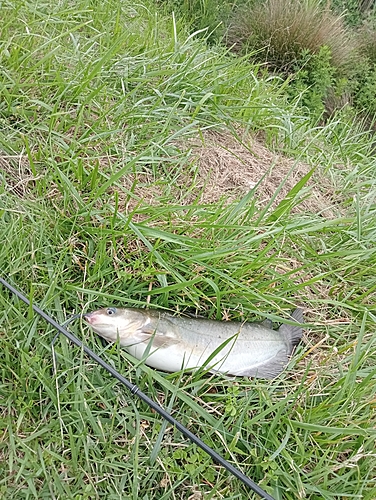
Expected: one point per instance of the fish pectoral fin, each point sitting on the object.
(157, 338)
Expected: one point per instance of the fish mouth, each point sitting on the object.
(88, 317)
(93, 318)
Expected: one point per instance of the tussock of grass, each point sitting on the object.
(285, 28)
(103, 201)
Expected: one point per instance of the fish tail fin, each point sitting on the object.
(293, 333)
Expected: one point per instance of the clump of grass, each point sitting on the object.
(281, 29)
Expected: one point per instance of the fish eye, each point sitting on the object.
(111, 310)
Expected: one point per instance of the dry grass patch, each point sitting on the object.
(226, 168)
(231, 168)
(15, 172)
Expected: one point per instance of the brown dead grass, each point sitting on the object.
(230, 167)
(226, 168)
(15, 171)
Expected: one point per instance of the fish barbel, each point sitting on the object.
(172, 343)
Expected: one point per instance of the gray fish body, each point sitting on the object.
(171, 343)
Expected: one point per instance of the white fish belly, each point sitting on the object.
(170, 359)
(236, 358)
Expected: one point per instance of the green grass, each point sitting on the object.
(96, 98)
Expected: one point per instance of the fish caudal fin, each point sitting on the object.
(293, 333)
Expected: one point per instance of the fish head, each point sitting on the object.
(114, 323)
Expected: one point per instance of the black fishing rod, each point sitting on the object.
(137, 392)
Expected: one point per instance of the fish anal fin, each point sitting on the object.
(268, 369)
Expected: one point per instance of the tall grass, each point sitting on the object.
(325, 63)
(96, 99)
(283, 29)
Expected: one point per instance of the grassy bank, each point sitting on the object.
(141, 168)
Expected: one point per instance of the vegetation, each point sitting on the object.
(119, 130)
(281, 29)
(302, 41)
(354, 10)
